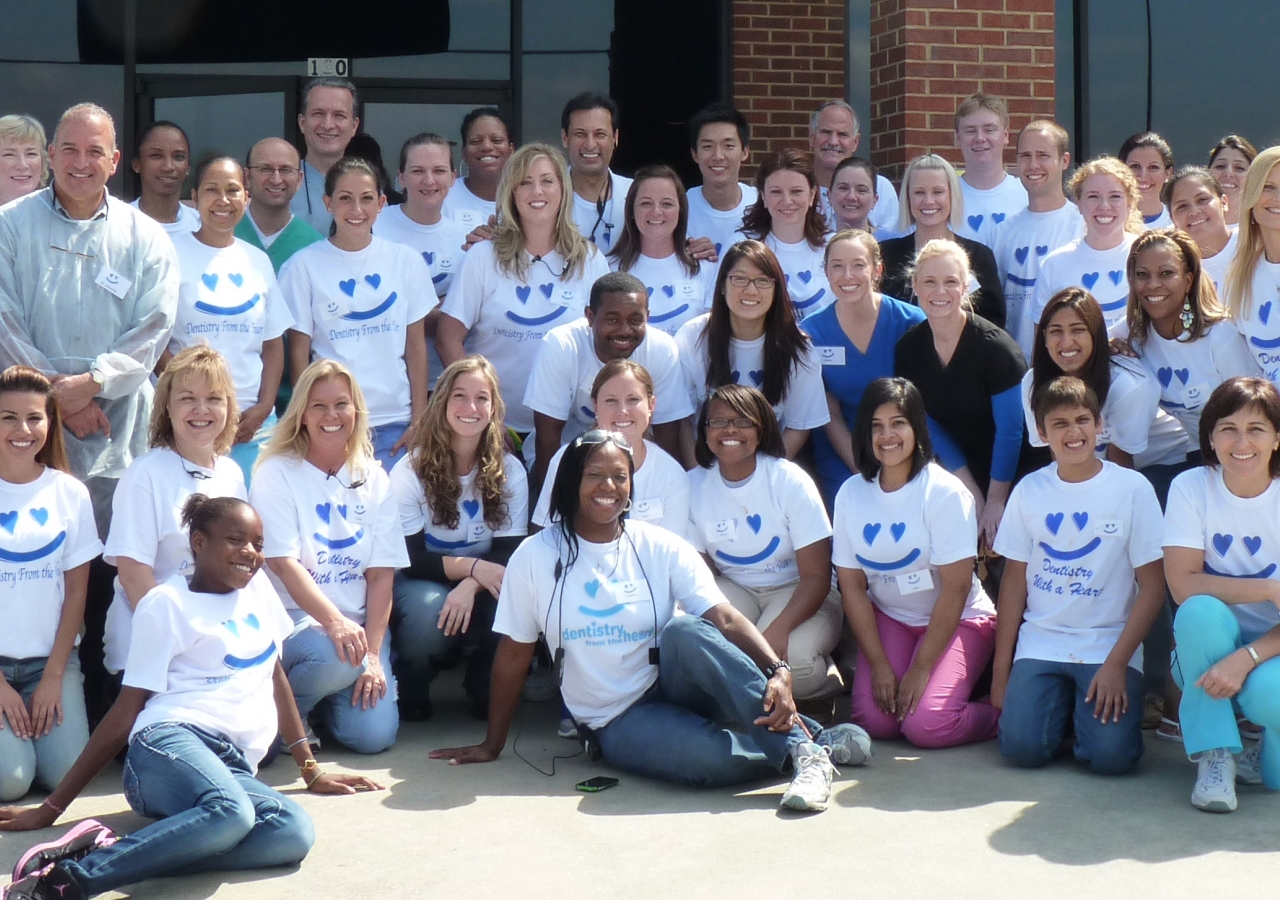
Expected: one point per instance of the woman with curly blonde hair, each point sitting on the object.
(193, 425)
(536, 272)
(464, 505)
(332, 542)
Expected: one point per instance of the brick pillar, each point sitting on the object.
(787, 58)
(928, 55)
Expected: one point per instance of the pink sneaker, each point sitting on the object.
(76, 844)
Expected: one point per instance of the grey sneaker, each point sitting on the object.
(847, 744)
(1215, 789)
(568, 729)
(810, 787)
(1249, 765)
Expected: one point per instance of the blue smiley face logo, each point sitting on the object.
(755, 523)
(232, 661)
(210, 281)
(1251, 543)
(325, 512)
(625, 593)
(1053, 522)
(11, 522)
(870, 532)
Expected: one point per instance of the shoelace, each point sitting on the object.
(807, 769)
(1215, 773)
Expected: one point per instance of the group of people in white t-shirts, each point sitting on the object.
(734, 417)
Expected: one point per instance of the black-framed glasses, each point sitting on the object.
(740, 422)
(349, 487)
(602, 436)
(763, 283)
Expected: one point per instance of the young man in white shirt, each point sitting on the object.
(1083, 581)
(719, 139)
(328, 122)
(1048, 222)
(589, 133)
(991, 195)
(834, 135)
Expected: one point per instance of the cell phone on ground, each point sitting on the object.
(597, 784)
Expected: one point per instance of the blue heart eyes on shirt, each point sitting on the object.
(325, 510)
(754, 522)
(9, 520)
(997, 218)
(1222, 543)
(806, 276)
(1053, 521)
(975, 222)
(871, 531)
(251, 620)
(472, 507)
(1021, 255)
(429, 257)
(1264, 312)
(1165, 375)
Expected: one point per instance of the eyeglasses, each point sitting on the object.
(349, 487)
(601, 436)
(268, 171)
(740, 422)
(763, 283)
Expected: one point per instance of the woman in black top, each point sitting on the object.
(969, 373)
(933, 204)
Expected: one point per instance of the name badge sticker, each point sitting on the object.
(113, 282)
(647, 510)
(626, 590)
(725, 530)
(1195, 395)
(478, 531)
(915, 582)
(334, 308)
(830, 356)
(359, 514)
(1109, 527)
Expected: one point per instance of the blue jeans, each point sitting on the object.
(695, 725)
(1041, 702)
(213, 814)
(324, 683)
(43, 760)
(384, 438)
(246, 454)
(1206, 630)
(416, 638)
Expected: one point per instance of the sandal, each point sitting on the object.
(1169, 730)
(1152, 711)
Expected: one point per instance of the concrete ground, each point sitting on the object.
(911, 824)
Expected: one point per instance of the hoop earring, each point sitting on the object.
(626, 507)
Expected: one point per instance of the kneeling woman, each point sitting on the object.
(202, 701)
(904, 552)
(333, 545)
(1223, 579)
(714, 709)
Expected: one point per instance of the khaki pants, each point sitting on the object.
(809, 647)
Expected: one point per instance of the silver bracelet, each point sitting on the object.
(301, 740)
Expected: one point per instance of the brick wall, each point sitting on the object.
(787, 58)
(928, 55)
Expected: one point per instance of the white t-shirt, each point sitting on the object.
(466, 209)
(603, 228)
(1188, 372)
(229, 297)
(1132, 401)
(1100, 272)
(1163, 220)
(675, 296)
(752, 529)
(721, 226)
(803, 407)
(1021, 242)
(209, 660)
(659, 493)
(357, 308)
(883, 217)
(1260, 333)
(187, 222)
(473, 536)
(1081, 543)
(146, 526)
(440, 246)
(806, 278)
(900, 539)
(986, 211)
(1240, 536)
(46, 529)
(605, 610)
(1216, 266)
(336, 527)
(566, 367)
(507, 316)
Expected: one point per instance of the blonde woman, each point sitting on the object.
(1251, 287)
(333, 543)
(931, 209)
(464, 507)
(193, 425)
(24, 162)
(535, 273)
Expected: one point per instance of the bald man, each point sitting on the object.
(274, 177)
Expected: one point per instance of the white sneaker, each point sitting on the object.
(810, 787)
(1249, 765)
(568, 729)
(847, 744)
(1215, 789)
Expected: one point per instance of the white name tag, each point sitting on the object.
(478, 531)
(647, 510)
(914, 582)
(626, 590)
(113, 282)
(359, 514)
(334, 307)
(726, 530)
(1108, 527)
(830, 356)
(1195, 395)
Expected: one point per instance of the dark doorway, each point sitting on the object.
(667, 62)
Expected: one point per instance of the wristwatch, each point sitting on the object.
(773, 667)
(98, 378)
